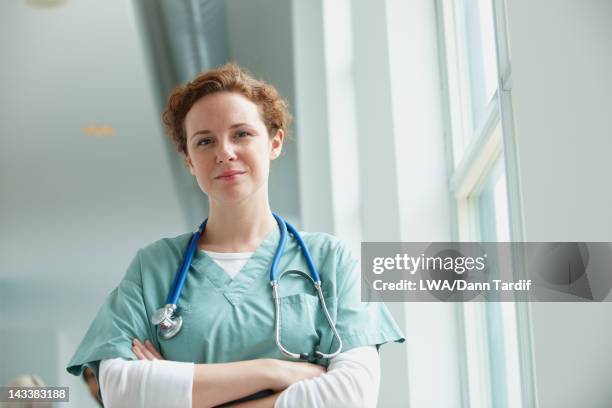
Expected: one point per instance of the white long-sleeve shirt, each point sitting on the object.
(145, 383)
(351, 380)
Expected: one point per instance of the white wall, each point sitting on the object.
(562, 93)
(423, 198)
(379, 175)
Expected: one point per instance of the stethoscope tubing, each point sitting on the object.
(170, 324)
(183, 271)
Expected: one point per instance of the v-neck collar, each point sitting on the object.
(257, 267)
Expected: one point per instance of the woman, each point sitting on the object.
(229, 127)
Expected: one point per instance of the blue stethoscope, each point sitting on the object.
(170, 324)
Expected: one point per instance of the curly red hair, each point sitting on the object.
(226, 78)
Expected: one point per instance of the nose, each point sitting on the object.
(225, 152)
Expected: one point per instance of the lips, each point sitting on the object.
(229, 174)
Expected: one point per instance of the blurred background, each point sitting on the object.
(415, 120)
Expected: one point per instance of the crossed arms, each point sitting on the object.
(351, 380)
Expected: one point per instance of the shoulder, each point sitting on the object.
(166, 246)
(154, 259)
(328, 248)
(321, 239)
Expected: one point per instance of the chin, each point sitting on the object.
(235, 196)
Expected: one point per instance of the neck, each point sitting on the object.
(237, 228)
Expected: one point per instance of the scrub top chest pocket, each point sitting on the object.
(304, 328)
(301, 323)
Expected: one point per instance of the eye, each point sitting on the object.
(205, 141)
(242, 134)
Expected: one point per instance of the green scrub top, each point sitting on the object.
(228, 319)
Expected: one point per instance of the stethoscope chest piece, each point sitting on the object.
(169, 324)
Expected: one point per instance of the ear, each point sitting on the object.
(276, 144)
(189, 164)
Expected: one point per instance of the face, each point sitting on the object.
(228, 147)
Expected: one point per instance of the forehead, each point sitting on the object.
(222, 109)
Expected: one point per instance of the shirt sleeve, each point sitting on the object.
(351, 381)
(360, 323)
(144, 383)
(122, 318)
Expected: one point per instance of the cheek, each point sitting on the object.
(264, 169)
(261, 160)
(200, 168)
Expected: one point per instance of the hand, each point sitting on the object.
(146, 351)
(294, 371)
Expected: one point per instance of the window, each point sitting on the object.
(476, 74)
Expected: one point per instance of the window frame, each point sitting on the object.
(467, 174)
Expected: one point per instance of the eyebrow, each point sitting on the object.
(206, 131)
